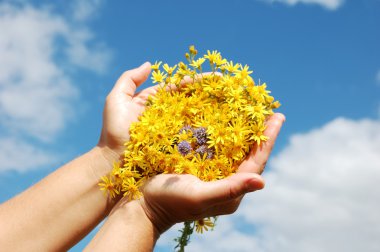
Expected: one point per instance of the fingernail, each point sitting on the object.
(281, 116)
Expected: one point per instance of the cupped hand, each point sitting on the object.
(122, 107)
(169, 198)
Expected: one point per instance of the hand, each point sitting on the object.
(169, 198)
(123, 106)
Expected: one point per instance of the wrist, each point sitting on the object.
(102, 160)
(133, 216)
(126, 229)
(160, 221)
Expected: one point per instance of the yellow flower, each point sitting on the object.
(131, 188)
(158, 76)
(203, 225)
(211, 83)
(184, 70)
(258, 133)
(177, 78)
(217, 135)
(231, 67)
(139, 138)
(117, 172)
(186, 167)
(219, 61)
(243, 72)
(107, 185)
(168, 69)
(211, 174)
(238, 131)
(213, 56)
(197, 63)
(235, 95)
(192, 50)
(156, 65)
(257, 111)
(204, 128)
(261, 93)
(134, 159)
(275, 105)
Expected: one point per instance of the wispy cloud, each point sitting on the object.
(22, 156)
(84, 10)
(378, 77)
(37, 94)
(328, 4)
(321, 195)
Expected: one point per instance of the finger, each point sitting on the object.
(131, 79)
(259, 155)
(231, 188)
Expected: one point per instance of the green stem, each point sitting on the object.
(184, 239)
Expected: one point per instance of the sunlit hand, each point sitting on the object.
(169, 199)
(123, 106)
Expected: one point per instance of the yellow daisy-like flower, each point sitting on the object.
(231, 67)
(132, 188)
(203, 225)
(243, 72)
(169, 69)
(156, 65)
(107, 185)
(158, 76)
(205, 128)
(197, 63)
(212, 56)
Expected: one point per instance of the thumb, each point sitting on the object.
(131, 79)
(211, 193)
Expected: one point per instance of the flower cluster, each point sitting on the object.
(197, 123)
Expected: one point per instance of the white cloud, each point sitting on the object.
(85, 9)
(21, 156)
(328, 4)
(322, 191)
(378, 77)
(225, 237)
(321, 195)
(38, 50)
(80, 54)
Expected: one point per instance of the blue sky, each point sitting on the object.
(320, 58)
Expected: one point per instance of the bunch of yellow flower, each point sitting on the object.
(205, 127)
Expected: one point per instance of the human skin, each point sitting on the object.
(170, 198)
(61, 209)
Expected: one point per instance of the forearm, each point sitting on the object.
(58, 211)
(126, 229)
